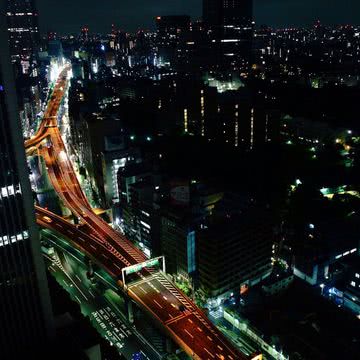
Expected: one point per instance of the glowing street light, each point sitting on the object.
(62, 155)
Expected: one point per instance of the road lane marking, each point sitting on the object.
(189, 334)
(176, 319)
(190, 321)
(220, 347)
(209, 353)
(199, 329)
(157, 304)
(142, 289)
(209, 338)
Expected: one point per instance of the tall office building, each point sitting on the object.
(172, 24)
(231, 25)
(24, 37)
(219, 13)
(241, 245)
(25, 310)
(24, 42)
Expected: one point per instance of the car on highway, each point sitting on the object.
(47, 219)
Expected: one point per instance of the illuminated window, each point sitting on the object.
(202, 103)
(185, 120)
(252, 129)
(10, 190)
(145, 224)
(6, 240)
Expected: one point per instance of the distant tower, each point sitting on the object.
(219, 13)
(84, 35)
(25, 310)
(24, 37)
(231, 25)
(24, 42)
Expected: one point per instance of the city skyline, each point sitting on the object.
(167, 193)
(24, 293)
(133, 15)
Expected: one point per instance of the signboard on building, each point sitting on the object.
(135, 268)
(244, 288)
(138, 267)
(180, 193)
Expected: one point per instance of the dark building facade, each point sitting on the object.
(241, 245)
(24, 37)
(25, 312)
(172, 24)
(218, 13)
(24, 42)
(230, 25)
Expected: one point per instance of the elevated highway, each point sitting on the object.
(179, 317)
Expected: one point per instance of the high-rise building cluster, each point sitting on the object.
(24, 43)
(25, 311)
(224, 151)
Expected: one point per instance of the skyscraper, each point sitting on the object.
(24, 37)
(25, 310)
(220, 13)
(231, 31)
(24, 42)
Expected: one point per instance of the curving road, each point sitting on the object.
(179, 317)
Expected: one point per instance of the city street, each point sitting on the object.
(185, 323)
(105, 316)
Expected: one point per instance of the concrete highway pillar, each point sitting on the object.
(326, 271)
(130, 311)
(169, 345)
(90, 269)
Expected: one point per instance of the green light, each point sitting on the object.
(325, 191)
(137, 268)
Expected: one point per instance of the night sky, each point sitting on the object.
(67, 15)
